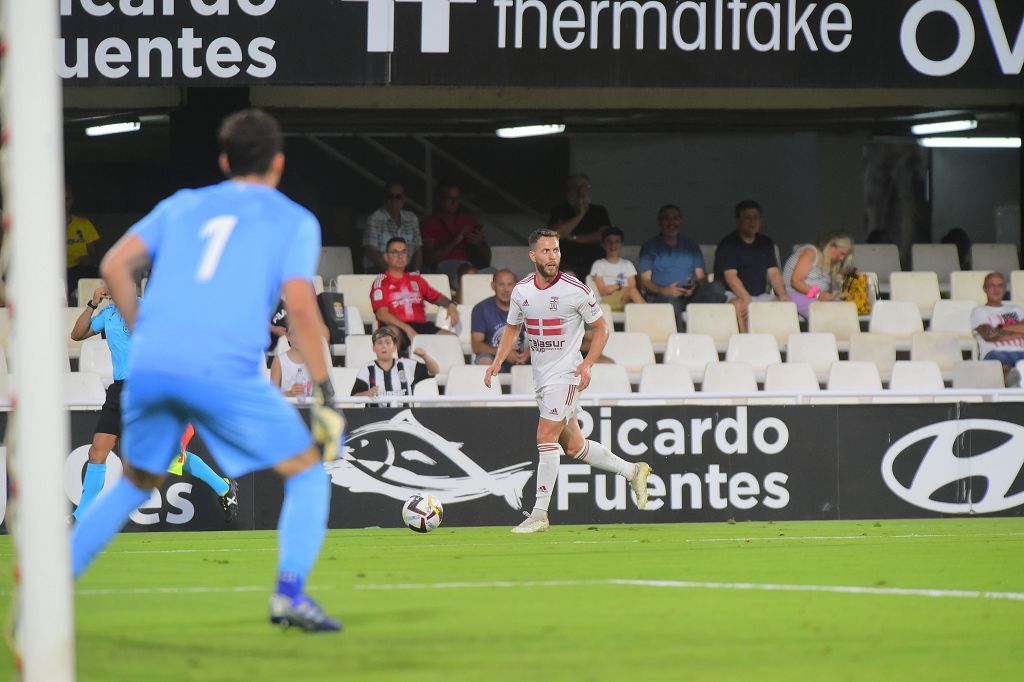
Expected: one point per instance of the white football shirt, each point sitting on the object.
(555, 318)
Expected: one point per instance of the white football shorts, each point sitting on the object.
(558, 402)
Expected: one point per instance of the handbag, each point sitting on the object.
(859, 289)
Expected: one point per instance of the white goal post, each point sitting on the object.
(33, 202)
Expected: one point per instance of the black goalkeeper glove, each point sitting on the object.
(327, 423)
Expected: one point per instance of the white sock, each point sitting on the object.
(600, 457)
(547, 474)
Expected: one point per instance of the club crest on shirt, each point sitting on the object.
(553, 303)
(415, 286)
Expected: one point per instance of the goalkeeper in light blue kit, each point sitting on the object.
(221, 258)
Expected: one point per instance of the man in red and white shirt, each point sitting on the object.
(397, 296)
(556, 307)
(999, 326)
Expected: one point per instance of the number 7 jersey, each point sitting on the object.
(555, 318)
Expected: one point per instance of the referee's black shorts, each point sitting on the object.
(110, 415)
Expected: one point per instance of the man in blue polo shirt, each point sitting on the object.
(672, 267)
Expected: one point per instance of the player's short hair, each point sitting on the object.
(612, 232)
(537, 235)
(395, 240)
(250, 138)
(745, 204)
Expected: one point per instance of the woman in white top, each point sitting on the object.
(816, 272)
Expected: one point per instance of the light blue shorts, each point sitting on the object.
(246, 422)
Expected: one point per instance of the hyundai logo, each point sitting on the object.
(941, 467)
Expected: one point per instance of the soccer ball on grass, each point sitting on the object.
(422, 513)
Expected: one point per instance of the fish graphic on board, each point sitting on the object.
(400, 456)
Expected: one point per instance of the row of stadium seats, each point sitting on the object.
(633, 351)
(847, 381)
(882, 259)
(942, 259)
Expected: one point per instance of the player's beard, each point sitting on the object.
(547, 271)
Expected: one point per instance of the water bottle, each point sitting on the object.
(300, 378)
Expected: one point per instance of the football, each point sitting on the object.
(422, 513)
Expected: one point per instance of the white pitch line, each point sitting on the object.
(419, 545)
(687, 584)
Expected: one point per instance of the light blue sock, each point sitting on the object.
(303, 522)
(101, 523)
(95, 474)
(195, 466)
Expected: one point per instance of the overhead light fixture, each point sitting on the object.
(530, 131)
(940, 127)
(970, 142)
(113, 128)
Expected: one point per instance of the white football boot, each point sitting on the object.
(534, 523)
(639, 483)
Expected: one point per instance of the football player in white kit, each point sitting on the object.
(556, 307)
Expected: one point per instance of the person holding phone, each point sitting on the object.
(452, 236)
(672, 267)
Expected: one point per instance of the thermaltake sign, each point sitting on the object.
(566, 43)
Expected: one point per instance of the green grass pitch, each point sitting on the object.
(746, 601)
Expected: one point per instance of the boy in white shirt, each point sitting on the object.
(614, 276)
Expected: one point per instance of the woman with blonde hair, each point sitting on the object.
(816, 272)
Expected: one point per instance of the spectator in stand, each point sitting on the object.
(614, 276)
(816, 272)
(489, 321)
(289, 372)
(672, 267)
(82, 246)
(579, 224)
(387, 222)
(388, 375)
(745, 262)
(452, 237)
(397, 297)
(1000, 328)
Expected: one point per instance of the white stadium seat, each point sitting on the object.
(778, 318)
(718, 320)
(816, 349)
(899, 319)
(942, 259)
(334, 261)
(469, 380)
(920, 288)
(693, 351)
(674, 379)
(756, 350)
(942, 348)
(444, 348)
(631, 350)
(881, 259)
(966, 285)
(838, 318)
(94, 357)
(995, 258)
(656, 320)
(605, 378)
(878, 349)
